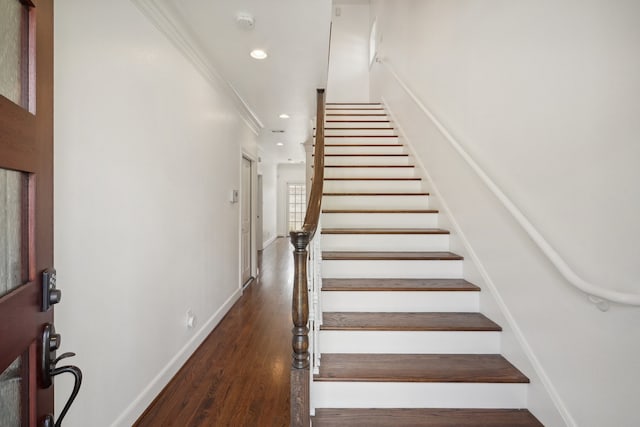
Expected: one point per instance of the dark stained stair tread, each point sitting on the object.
(431, 321)
(438, 368)
(384, 231)
(361, 136)
(375, 194)
(381, 256)
(368, 155)
(355, 114)
(356, 121)
(434, 285)
(363, 145)
(370, 166)
(423, 417)
(373, 179)
(380, 211)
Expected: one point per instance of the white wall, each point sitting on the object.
(268, 169)
(287, 174)
(348, 79)
(543, 94)
(146, 154)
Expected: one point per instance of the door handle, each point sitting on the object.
(50, 343)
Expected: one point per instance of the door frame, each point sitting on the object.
(253, 218)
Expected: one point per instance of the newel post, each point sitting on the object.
(300, 400)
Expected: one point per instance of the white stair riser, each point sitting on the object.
(378, 149)
(379, 172)
(404, 269)
(371, 186)
(375, 202)
(400, 301)
(385, 242)
(333, 394)
(333, 122)
(366, 160)
(353, 117)
(360, 140)
(379, 220)
(374, 109)
(410, 342)
(364, 130)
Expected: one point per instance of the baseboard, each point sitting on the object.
(144, 399)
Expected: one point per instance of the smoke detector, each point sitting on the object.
(245, 21)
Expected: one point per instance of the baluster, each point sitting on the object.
(300, 341)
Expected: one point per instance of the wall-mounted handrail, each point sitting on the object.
(597, 294)
(300, 398)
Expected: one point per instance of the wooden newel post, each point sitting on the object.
(300, 400)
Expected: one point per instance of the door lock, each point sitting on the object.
(51, 342)
(50, 294)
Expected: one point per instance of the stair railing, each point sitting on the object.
(300, 239)
(597, 294)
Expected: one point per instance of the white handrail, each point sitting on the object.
(597, 294)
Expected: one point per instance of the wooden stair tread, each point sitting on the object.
(368, 128)
(362, 145)
(380, 211)
(440, 368)
(375, 194)
(361, 136)
(385, 256)
(412, 178)
(367, 166)
(423, 417)
(353, 103)
(434, 285)
(368, 154)
(356, 114)
(430, 321)
(356, 121)
(384, 231)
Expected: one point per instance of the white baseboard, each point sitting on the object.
(144, 399)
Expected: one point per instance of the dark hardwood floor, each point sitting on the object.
(240, 374)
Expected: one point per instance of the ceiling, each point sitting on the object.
(295, 35)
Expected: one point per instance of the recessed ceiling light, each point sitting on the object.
(284, 116)
(258, 54)
(279, 144)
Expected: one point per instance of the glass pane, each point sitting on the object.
(10, 395)
(10, 230)
(11, 13)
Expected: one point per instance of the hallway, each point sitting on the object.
(240, 374)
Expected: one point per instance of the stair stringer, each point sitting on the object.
(514, 344)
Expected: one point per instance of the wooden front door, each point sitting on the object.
(26, 213)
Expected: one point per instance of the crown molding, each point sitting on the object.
(166, 20)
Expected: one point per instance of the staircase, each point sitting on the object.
(402, 341)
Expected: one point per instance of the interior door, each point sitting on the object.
(27, 338)
(245, 208)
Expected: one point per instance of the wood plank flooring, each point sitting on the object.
(240, 374)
